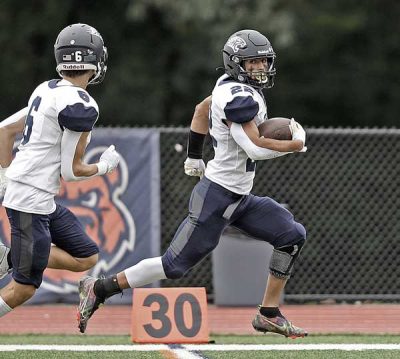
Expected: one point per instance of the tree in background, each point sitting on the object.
(338, 61)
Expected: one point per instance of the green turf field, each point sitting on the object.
(187, 352)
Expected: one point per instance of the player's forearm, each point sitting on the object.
(279, 145)
(198, 129)
(84, 170)
(16, 122)
(9, 128)
(252, 132)
(199, 122)
(6, 147)
(254, 152)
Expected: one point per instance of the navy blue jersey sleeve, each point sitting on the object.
(241, 109)
(78, 118)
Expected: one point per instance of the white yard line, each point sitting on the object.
(293, 347)
(186, 354)
(188, 351)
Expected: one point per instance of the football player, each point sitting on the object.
(222, 197)
(56, 128)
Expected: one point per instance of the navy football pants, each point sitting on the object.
(211, 209)
(31, 238)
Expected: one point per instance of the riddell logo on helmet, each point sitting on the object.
(270, 50)
(73, 67)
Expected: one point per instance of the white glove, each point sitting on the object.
(3, 181)
(108, 160)
(298, 132)
(194, 167)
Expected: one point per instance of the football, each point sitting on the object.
(276, 128)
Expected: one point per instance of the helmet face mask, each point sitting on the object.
(101, 68)
(80, 47)
(246, 45)
(259, 78)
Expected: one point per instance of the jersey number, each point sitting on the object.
(29, 120)
(237, 89)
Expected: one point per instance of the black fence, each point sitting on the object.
(346, 192)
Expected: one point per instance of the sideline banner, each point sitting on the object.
(119, 211)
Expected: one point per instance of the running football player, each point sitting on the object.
(222, 197)
(56, 129)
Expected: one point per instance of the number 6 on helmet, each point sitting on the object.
(81, 47)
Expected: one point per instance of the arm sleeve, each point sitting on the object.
(241, 109)
(69, 142)
(253, 151)
(15, 117)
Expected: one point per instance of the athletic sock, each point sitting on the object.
(145, 272)
(270, 312)
(107, 287)
(4, 308)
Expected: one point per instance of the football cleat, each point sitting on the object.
(4, 267)
(279, 325)
(88, 301)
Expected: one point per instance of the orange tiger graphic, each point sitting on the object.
(97, 204)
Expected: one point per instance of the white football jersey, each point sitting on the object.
(235, 102)
(34, 173)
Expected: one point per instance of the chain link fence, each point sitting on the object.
(346, 192)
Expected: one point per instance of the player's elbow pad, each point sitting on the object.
(254, 152)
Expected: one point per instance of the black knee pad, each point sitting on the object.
(283, 258)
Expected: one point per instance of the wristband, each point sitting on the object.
(195, 145)
(102, 168)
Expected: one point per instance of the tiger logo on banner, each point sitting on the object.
(97, 204)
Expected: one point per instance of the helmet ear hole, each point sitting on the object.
(235, 59)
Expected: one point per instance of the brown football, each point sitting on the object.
(276, 128)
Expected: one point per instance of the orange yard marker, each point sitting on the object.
(169, 315)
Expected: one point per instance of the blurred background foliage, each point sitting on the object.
(338, 61)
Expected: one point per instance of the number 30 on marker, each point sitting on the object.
(169, 315)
